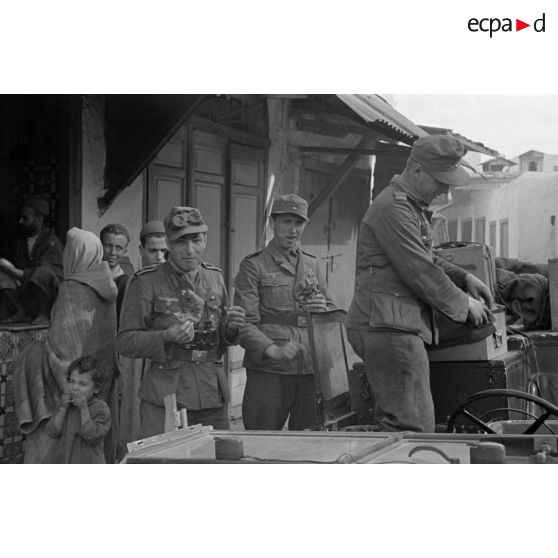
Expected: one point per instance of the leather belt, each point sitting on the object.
(293, 320)
(193, 355)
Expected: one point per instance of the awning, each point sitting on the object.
(373, 109)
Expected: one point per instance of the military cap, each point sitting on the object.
(37, 203)
(183, 220)
(440, 156)
(152, 227)
(290, 203)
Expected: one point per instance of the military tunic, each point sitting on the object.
(264, 287)
(398, 285)
(151, 299)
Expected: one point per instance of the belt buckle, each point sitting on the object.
(301, 321)
(199, 356)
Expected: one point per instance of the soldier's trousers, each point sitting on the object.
(397, 368)
(270, 398)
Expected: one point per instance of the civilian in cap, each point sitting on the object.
(277, 286)
(29, 284)
(399, 284)
(177, 315)
(153, 243)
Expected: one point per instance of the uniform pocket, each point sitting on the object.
(276, 291)
(166, 305)
(395, 312)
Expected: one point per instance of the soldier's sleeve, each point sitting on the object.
(246, 294)
(134, 338)
(398, 231)
(454, 272)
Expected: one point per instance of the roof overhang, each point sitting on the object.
(375, 110)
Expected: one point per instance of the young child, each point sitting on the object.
(81, 421)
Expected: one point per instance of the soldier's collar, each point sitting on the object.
(280, 255)
(175, 269)
(410, 190)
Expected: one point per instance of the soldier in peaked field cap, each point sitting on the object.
(177, 314)
(184, 220)
(277, 286)
(440, 156)
(290, 203)
(400, 283)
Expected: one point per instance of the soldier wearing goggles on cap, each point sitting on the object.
(177, 315)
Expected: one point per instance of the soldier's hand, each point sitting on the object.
(180, 333)
(235, 317)
(286, 352)
(477, 289)
(478, 313)
(316, 304)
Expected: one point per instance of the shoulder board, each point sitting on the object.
(211, 266)
(146, 269)
(308, 254)
(254, 254)
(400, 196)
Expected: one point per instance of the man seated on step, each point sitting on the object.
(29, 281)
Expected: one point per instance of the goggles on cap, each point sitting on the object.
(187, 219)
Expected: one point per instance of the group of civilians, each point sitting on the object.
(77, 291)
(86, 392)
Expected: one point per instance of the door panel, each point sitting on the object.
(166, 189)
(209, 202)
(243, 239)
(208, 191)
(246, 209)
(331, 234)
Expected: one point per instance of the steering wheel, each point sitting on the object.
(461, 409)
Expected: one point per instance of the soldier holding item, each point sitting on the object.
(177, 315)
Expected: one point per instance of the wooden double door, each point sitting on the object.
(224, 179)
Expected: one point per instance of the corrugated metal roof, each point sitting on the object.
(372, 108)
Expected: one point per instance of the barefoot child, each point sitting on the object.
(82, 420)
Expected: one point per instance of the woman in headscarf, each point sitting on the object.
(83, 323)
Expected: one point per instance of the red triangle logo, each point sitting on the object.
(519, 25)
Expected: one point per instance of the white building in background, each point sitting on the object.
(536, 161)
(515, 214)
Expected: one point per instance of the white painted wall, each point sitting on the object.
(126, 209)
(527, 202)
